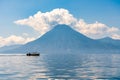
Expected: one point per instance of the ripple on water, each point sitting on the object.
(60, 67)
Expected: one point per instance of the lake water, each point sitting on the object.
(60, 67)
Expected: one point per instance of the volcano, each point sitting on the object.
(64, 39)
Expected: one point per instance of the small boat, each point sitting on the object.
(33, 54)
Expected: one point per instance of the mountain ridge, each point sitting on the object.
(63, 39)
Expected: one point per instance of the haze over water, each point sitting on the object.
(60, 67)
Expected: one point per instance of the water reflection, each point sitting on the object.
(60, 67)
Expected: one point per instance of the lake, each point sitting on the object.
(60, 67)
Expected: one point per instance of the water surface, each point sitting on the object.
(60, 67)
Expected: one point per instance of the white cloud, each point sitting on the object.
(43, 22)
(95, 30)
(13, 39)
(115, 36)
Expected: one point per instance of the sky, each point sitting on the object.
(93, 18)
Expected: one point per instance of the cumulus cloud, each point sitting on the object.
(115, 36)
(95, 30)
(13, 39)
(43, 22)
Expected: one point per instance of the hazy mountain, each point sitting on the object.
(62, 38)
(5, 48)
(111, 41)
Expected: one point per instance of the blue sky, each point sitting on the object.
(104, 11)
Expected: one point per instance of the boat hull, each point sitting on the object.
(32, 54)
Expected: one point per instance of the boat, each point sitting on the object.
(33, 54)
